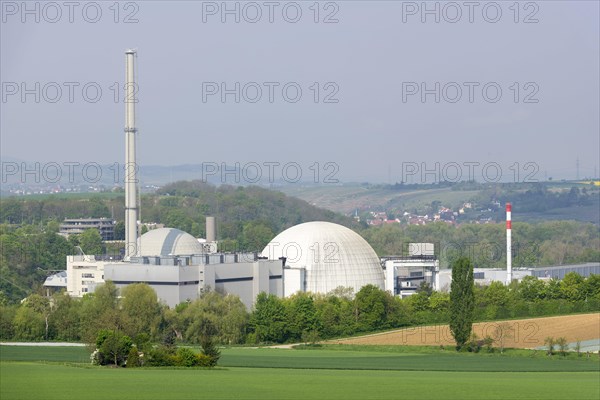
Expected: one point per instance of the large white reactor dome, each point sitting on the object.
(168, 241)
(331, 254)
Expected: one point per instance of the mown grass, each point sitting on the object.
(45, 353)
(379, 359)
(26, 380)
(349, 357)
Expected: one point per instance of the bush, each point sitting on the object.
(550, 342)
(474, 345)
(210, 349)
(251, 338)
(204, 361)
(112, 347)
(311, 337)
(185, 357)
(563, 345)
(142, 341)
(161, 356)
(168, 339)
(133, 358)
(488, 342)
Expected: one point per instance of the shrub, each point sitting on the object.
(204, 361)
(185, 357)
(133, 358)
(563, 345)
(474, 344)
(210, 349)
(549, 341)
(168, 338)
(311, 337)
(161, 356)
(142, 341)
(251, 338)
(112, 347)
(488, 342)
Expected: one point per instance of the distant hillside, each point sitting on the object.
(532, 202)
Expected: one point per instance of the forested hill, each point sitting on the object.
(250, 214)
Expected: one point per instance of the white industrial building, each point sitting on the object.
(404, 274)
(322, 256)
(175, 265)
(105, 226)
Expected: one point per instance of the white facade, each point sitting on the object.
(179, 279)
(84, 273)
(404, 274)
(294, 281)
(331, 256)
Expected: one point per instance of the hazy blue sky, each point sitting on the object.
(372, 60)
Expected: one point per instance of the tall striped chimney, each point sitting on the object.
(508, 244)
(131, 208)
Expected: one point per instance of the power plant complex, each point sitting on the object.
(316, 257)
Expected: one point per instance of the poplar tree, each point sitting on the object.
(462, 301)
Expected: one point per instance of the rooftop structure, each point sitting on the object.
(167, 242)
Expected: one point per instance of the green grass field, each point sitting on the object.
(334, 372)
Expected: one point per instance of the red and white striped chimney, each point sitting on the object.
(508, 244)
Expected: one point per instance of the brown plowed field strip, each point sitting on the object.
(522, 333)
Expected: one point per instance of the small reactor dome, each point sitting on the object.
(168, 241)
(331, 254)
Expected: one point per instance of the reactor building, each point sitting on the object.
(322, 256)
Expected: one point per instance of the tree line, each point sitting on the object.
(534, 244)
(135, 310)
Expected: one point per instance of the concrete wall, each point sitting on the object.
(246, 279)
(175, 284)
(560, 271)
(172, 284)
(293, 282)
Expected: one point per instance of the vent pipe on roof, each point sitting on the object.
(211, 229)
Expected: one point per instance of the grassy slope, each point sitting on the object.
(347, 198)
